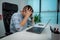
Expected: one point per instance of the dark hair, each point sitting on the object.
(28, 6)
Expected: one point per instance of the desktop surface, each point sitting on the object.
(24, 35)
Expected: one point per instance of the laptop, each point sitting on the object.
(38, 28)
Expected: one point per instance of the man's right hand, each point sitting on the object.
(28, 12)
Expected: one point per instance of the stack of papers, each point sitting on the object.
(39, 25)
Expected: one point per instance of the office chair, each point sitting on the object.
(8, 9)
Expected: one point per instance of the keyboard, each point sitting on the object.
(37, 30)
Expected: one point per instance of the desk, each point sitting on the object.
(24, 35)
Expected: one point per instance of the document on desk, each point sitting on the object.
(41, 25)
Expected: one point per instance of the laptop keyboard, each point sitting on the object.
(37, 30)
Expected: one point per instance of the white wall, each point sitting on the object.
(20, 3)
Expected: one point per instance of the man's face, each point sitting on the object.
(23, 12)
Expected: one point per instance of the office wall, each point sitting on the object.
(20, 3)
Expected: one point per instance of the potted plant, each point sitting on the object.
(37, 19)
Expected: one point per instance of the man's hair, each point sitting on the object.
(28, 6)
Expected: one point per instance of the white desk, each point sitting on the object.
(24, 35)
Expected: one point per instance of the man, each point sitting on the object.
(20, 21)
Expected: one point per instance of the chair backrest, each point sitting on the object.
(8, 9)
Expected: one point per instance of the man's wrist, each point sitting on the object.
(27, 16)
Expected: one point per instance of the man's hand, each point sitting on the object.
(28, 12)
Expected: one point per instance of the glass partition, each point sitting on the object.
(47, 10)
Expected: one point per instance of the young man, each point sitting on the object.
(20, 21)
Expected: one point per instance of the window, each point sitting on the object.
(47, 10)
(59, 18)
(35, 5)
(48, 5)
(45, 16)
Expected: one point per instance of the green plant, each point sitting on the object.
(37, 19)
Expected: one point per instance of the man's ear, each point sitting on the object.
(21, 11)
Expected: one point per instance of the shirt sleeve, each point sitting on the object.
(16, 22)
(29, 22)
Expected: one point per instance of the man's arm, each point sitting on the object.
(33, 21)
(23, 22)
(28, 13)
